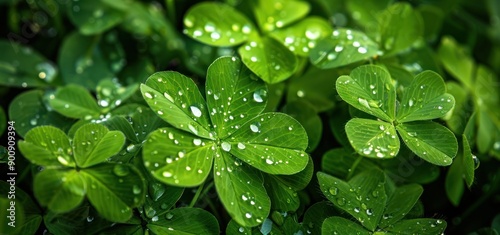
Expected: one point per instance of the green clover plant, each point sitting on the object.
(378, 207)
(270, 52)
(369, 88)
(77, 168)
(227, 130)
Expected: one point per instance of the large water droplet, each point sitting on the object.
(241, 146)
(255, 127)
(167, 174)
(121, 170)
(333, 191)
(476, 161)
(195, 111)
(136, 189)
(226, 146)
(259, 95)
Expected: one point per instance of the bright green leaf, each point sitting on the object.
(93, 17)
(29, 110)
(22, 67)
(59, 190)
(177, 100)
(454, 185)
(234, 95)
(268, 59)
(460, 113)
(415, 226)
(241, 190)
(178, 158)
(283, 197)
(275, 14)
(305, 114)
(111, 94)
(114, 189)
(363, 196)
(184, 221)
(375, 139)
(74, 101)
(365, 12)
(369, 88)
(400, 203)
(430, 141)
(271, 142)
(47, 146)
(399, 27)
(217, 24)
(339, 225)
(299, 180)
(343, 47)
(303, 36)
(121, 124)
(94, 143)
(425, 99)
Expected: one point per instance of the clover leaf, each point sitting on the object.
(77, 168)
(369, 88)
(377, 209)
(227, 130)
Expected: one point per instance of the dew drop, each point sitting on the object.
(197, 142)
(167, 174)
(169, 98)
(269, 161)
(362, 50)
(121, 170)
(255, 127)
(195, 111)
(241, 146)
(259, 95)
(248, 215)
(226, 146)
(136, 189)
(333, 191)
(148, 95)
(339, 48)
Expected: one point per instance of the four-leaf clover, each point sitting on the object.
(228, 131)
(369, 88)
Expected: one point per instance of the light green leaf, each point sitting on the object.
(184, 221)
(400, 203)
(303, 36)
(369, 88)
(372, 138)
(234, 95)
(241, 190)
(121, 124)
(299, 180)
(22, 67)
(485, 135)
(339, 225)
(469, 162)
(75, 102)
(47, 146)
(365, 12)
(458, 118)
(399, 27)
(486, 88)
(59, 190)
(29, 110)
(430, 141)
(178, 158)
(363, 196)
(268, 59)
(93, 17)
(177, 100)
(415, 226)
(456, 61)
(271, 142)
(94, 143)
(273, 14)
(454, 185)
(217, 24)
(82, 61)
(425, 98)
(114, 189)
(343, 47)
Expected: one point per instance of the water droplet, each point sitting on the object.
(169, 98)
(339, 48)
(244, 198)
(195, 111)
(410, 103)
(241, 229)
(476, 161)
(255, 127)
(300, 93)
(241, 146)
(269, 161)
(259, 95)
(226, 146)
(155, 218)
(331, 56)
(333, 191)
(369, 212)
(381, 127)
(121, 170)
(215, 36)
(148, 95)
(136, 189)
(253, 59)
(356, 209)
(248, 215)
(167, 174)
(362, 50)
(197, 142)
(364, 103)
(90, 219)
(169, 216)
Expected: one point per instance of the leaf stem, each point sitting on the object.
(353, 167)
(197, 195)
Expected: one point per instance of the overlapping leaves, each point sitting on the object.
(375, 206)
(370, 89)
(227, 130)
(77, 168)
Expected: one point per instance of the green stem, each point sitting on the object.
(353, 167)
(197, 195)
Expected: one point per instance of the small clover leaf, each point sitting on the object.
(228, 131)
(366, 198)
(279, 13)
(370, 89)
(75, 169)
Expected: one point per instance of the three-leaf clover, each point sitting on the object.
(228, 131)
(369, 88)
(378, 208)
(73, 169)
